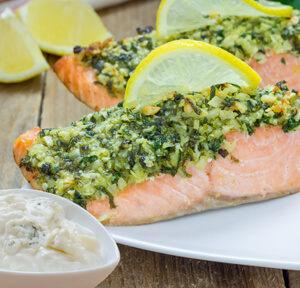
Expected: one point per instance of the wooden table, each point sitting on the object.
(45, 102)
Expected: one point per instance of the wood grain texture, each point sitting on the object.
(45, 101)
(292, 279)
(139, 268)
(19, 106)
(59, 106)
(123, 20)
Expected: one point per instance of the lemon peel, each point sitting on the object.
(21, 57)
(185, 66)
(59, 25)
(176, 16)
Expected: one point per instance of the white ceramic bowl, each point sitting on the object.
(86, 278)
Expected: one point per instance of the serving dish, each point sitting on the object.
(86, 278)
(262, 234)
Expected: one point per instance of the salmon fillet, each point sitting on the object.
(278, 67)
(20, 147)
(264, 165)
(80, 80)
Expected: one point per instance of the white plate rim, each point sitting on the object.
(126, 238)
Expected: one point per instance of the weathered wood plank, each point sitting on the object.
(19, 106)
(60, 107)
(139, 268)
(122, 20)
(293, 279)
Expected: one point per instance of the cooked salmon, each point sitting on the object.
(81, 80)
(21, 145)
(278, 67)
(264, 165)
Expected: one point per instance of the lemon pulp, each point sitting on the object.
(185, 66)
(59, 25)
(21, 57)
(175, 16)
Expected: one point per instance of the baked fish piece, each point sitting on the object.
(223, 146)
(98, 75)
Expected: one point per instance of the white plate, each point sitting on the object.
(258, 234)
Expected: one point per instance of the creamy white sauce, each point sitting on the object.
(35, 236)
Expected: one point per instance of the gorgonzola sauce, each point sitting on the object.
(35, 236)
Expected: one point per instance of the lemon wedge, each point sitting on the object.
(185, 66)
(21, 57)
(59, 25)
(175, 16)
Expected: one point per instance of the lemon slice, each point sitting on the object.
(21, 57)
(182, 66)
(59, 25)
(175, 16)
